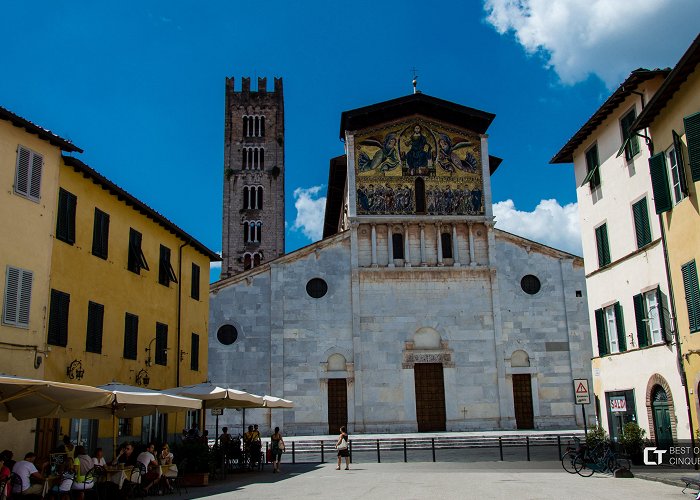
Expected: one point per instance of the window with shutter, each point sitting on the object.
(131, 335)
(137, 260)
(100, 234)
(194, 353)
(18, 295)
(659, 183)
(611, 330)
(166, 273)
(640, 320)
(678, 147)
(654, 316)
(601, 333)
(675, 176)
(692, 294)
(620, 327)
(601, 238)
(692, 139)
(95, 320)
(592, 167)
(65, 218)
(30, 166)
(58, 318)
(629, 138)
(194, 291)
(641, 223)
(161, 354)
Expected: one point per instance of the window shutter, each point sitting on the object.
(95, 320)
(678, 147)
(601, 234)
(35, 178)
(600, 328)
(692, 294)
(692, 137)
(640, 316)
(161, 355)
(100, 234)
(620, 324)
(18, 297)
(137, 260)
(641, 223)
(131, 332)
(194, 353)
(65, 219)
(195, 282)
(593, 167)
(23, 163)
(58, 318)
(665, 333)
(659, 183)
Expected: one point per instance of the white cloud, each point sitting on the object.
(550, 223)
(310, 210)
(608, 38)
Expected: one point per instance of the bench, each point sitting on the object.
(690, 481)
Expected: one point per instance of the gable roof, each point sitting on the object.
(540, 247)
(42, 133)
(418, 103)
(638, 76)
(138, 205)
(686, 65)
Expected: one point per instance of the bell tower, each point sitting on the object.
(253, 211)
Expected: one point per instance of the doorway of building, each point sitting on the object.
(662, 417)
(430, 397)
(522, 399)
(337, 404)
(46, 436)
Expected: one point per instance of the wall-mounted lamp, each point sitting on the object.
(149, 362)
(142, 378)
(75, 370)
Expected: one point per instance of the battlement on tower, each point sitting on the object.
(262, 90)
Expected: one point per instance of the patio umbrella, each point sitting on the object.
(26, 398)
(273, 402)
(214, 396)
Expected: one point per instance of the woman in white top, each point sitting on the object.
(99, 458)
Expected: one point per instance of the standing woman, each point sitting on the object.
(277, 449)
(342, 446)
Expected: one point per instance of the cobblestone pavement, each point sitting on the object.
(446, 480)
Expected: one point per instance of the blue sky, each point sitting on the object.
(140, 87)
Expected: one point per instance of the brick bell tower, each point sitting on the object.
(253, 215)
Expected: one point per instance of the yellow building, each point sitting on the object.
(129, 300)
(672, 120)
(29, 168)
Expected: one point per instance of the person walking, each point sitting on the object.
(342, 446)
(277, 449)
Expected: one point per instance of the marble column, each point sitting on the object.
(472, 258)
(422, 245)
(438, 231)
(406, 247)
(455, 248)
(390, 244)
(374, 245)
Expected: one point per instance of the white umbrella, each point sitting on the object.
(273, 402)
(214, 396)
(27, 398)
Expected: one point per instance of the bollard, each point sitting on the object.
(559, 444)
(405, 457)
(527, 445)
(294, 458)
(350, 449)
(379, 457)
(432, 441)
(322, 460)
(500, 446)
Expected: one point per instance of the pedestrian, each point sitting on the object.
(277, 449)
(342, 447)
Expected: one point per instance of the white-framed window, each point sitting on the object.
(251, 260)
(28, 174)
(253, 126)
(653, 312)
(253, 158)
(611, 329)
(674, 176)
(252, 231)
(252, 197)
(18, 297)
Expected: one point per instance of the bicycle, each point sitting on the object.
(601, 458)
(567, 459)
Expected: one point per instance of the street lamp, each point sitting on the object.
(142, 378)
(148, 352)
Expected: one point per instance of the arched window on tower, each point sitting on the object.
(255, 159)
(420, 195)
(260, 197)
(246, 262)
(262, 158)
(251, 165)
(245, 198)
(245, 126)
(256, 259)
(244, 159)
(257, 126)
(250, 126)
(253, 196)
(262, 126)
(246, 232)
(259, 232)
(397, 245)
(446, 240)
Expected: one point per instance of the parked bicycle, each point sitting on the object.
(601, 458)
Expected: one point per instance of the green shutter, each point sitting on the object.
(692, 138)
(593, 167)
(600, 328)
(659, 183)
(692, 294)
(641, 223)
(631, 140)
(601, 237)
(678, 148)
(620, 325)
(662, 317)
(93, 341)
(640, 316)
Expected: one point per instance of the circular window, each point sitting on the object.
(530, 284)
(227, 334)
(316, 288)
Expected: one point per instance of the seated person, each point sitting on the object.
(67, 447)
(125, 456)
(7, 456)
(82, 464)
(148, 459)
(27, 471)
(4, 477)
(99, 458)
(165, 457)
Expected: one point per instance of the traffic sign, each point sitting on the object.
(217, 411)
(583, 396)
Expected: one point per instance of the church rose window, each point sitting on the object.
(530, 284)
(227, 334)
(316, 288)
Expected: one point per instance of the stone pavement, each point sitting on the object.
(448, 480)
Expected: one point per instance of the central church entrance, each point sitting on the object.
(337, 404)
(430, 397)
(522, 398)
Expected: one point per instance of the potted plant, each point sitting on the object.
(194, 458)
(632, 440)
(596, 435)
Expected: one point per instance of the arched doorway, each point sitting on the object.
(662, 417)
(522, 391)
(337, 394)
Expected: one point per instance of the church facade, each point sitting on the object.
(413, 313)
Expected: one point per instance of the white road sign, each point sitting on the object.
(583, 396)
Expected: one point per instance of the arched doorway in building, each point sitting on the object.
(337, 395)
(662, 417)
(522, 391)
(429, 381)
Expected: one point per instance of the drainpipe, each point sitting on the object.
(179, 310)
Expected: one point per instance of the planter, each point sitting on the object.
(196, 478)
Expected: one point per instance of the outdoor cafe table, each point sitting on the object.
(117, 475)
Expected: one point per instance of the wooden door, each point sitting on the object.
(337, 404)
(430, 397)
(662, 425)
(522, 398)
(46, 437)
